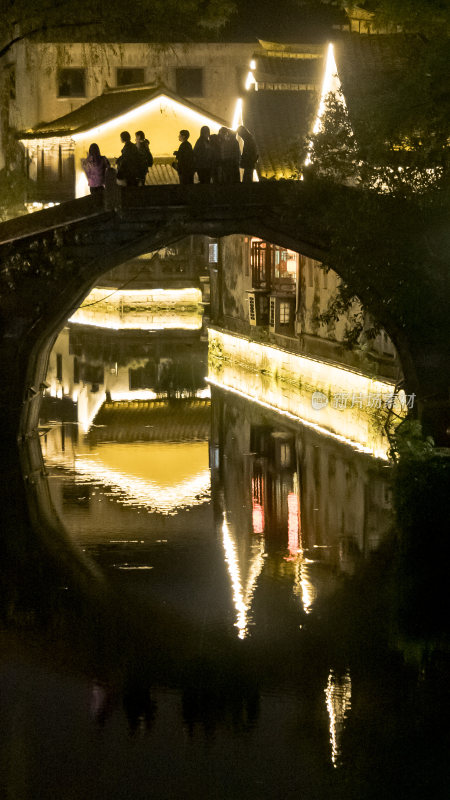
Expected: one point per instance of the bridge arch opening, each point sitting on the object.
(72, 255)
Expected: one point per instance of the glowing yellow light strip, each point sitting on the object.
(297, 418)
(142, 320)
(164, 102)
(331, 83)
(269, 377)
(237, 116)
(250, 80)
(156, 309)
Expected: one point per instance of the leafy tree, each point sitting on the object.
(100, 20)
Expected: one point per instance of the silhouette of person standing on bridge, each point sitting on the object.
(230, 154)
(129, 163)
(185, 158)
(249, 155)
(143, 146)
(203, 156)
(95, 166)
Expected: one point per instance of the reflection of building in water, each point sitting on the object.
(183, 265)
(89, 365)
(142, 309)
(148, 455)
(317, 505)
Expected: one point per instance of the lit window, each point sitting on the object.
(72, 82)
(128, 76)
(284, 313)
(189, 81)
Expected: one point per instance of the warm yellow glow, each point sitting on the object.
(338, 694)
(250, 80)
(160, 118)
(156, 309)
(163, 477)
(162, 103)
(242, 597)
(138, 321)
(237, 116)
(252, 64)
(285, 382)
(307, 591)
(331, 83)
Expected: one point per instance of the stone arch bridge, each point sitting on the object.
(387, 254)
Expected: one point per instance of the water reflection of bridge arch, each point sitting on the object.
(61, 252)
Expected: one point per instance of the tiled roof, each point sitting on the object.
(179, 420)
(112, 103)
(277, 119)
(161, 172)
(293, 71)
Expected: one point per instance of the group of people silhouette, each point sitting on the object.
(215, 158)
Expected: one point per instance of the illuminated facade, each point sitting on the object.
(273, 295)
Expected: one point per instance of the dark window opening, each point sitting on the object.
(12, 81)
(72, 82)
(128, 76)
(189, 81)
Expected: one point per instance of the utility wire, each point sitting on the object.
(88, 305)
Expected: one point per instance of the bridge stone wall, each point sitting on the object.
(50, 260)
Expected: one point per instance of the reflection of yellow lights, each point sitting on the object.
(307, 591)
(134, 490)
(242, 598)
(338, 695)
(270, 377)
(163, 298)
(331, 83)
(156, 309)
(141, 320)
(164, 103)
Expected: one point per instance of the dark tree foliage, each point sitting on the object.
(103, 20)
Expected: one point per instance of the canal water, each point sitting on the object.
(243, 639)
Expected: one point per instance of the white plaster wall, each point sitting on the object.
(224, 65)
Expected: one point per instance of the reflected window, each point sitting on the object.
(284, 313)
(213, 253)
(285, 454)
(72, 82)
